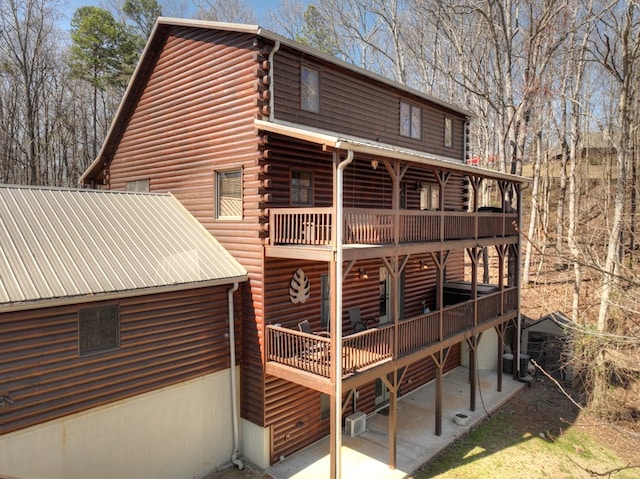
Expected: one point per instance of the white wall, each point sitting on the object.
(487, 351)
(182, 431)
(255, 444)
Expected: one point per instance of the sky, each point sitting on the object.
(260, 7)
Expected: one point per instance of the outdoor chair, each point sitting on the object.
(305, 327)
(358, 324)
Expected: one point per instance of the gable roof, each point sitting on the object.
(63, 245)
(156, 42)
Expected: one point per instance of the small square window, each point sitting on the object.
(410, 120)
(448, 133)
(229, 194)
(301, 187)
(310, 89)
(98, 329)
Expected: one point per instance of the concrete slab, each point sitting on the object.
(368, 454)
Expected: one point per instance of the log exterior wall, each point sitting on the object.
(164, 339)
(353, 105)
(194, 114)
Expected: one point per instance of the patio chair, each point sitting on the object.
(358, 324)
(305, 327)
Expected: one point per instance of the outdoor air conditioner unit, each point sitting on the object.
(356, 424)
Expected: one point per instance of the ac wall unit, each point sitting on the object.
(356, 424)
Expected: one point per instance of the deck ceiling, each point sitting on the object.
(361, 145)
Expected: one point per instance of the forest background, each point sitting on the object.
(554, 86)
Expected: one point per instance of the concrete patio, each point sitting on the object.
(367, 455)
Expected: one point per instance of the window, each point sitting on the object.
(301, 187)
(410, 120)
(448, 132)
(310, 89)
(429, 197)
(138, 186)
(325, 301)
(229, 194)
(98, 329)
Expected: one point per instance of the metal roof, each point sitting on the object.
(362, 145)
(71, 243)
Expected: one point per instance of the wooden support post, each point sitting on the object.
(472, 342)
(500, 330)
(391, 382)
(439, 359)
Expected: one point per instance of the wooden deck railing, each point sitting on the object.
(311, 353)
(313, 226)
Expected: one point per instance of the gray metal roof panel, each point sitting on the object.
(60, 243)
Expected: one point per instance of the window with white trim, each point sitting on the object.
(229, 194)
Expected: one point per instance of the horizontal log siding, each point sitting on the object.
(164, 339)
(194, 116)
(287, 154)
(288, 405)
(364, 187)
(359, 106)
(293, 411)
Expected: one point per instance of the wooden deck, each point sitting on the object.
(364, 226)
(306, 358)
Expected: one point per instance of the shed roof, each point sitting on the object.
(72, 244)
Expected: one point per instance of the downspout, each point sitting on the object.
(234, 398)
(338, 326)
(272, 54)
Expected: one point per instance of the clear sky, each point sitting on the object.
(260, 7)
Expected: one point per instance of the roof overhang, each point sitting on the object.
(115, 295)
(361, 145)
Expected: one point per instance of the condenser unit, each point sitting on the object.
(356, 424)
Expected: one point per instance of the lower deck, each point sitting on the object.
(368, 454)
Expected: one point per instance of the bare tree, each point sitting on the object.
(27, 49)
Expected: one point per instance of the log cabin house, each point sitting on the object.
(345, 195)
(116, 337)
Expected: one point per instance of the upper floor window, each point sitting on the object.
(229, 194)
(448, 133)
(98, 329)
(310, 89)
(410, 120)
(301, 187)
(139, 186)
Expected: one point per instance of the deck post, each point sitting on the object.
(439, 359)
(472, 342)
(500, 330)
